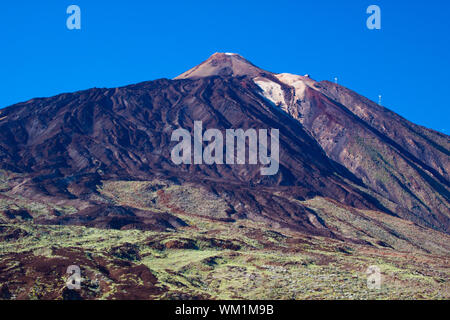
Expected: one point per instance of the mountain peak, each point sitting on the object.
(223, 64)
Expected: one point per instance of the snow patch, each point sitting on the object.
(272, 91)
(296, 82)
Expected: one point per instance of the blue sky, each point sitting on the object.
(125, 42)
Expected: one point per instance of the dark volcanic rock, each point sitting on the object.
(333, 143)
(14, 214)
(400, 161)
(119, 218)
(101, 276)
(126, 251)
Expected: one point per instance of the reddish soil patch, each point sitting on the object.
(30, 276)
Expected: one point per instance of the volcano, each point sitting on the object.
(350, 170)
(334, 143)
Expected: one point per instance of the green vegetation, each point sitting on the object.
(314, 268)
(212, 259)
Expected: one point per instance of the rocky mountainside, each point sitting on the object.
(87, 178)
(333, 143)
(404, 165)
